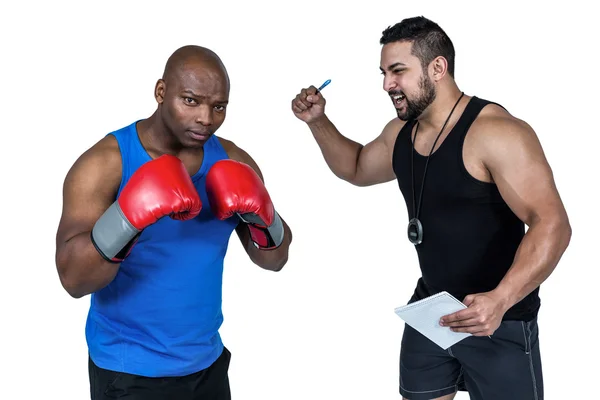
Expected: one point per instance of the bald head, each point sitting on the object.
(195, 60)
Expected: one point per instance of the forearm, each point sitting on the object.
(270, 259)
(82, 270)
(340, 153)
(537, 256)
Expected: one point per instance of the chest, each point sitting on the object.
(442, 180)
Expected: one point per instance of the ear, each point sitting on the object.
(159, 91)
(438, 68)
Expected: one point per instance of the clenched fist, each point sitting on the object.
(309, 105)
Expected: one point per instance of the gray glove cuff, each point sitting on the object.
(274, 233)
(112, 233)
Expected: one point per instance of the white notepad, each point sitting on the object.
(424, 316)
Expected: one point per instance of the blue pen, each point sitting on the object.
(323, 85)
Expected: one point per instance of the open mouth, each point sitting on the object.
(397, 98)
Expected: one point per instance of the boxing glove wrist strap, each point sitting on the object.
(113, 235)
(265, 238)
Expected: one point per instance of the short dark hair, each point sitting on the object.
(429, 40)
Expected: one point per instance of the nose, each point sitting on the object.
(204, 115)
(389, 83)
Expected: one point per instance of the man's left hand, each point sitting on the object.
(482, 316)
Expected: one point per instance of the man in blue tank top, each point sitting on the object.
(148, 212)
(472, 176)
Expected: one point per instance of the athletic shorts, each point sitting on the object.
(211, 383)
(505, 366)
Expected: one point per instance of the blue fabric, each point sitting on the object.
(161, 314)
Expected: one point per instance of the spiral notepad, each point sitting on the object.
(424, 316)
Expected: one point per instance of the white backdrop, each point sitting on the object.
(324, 327)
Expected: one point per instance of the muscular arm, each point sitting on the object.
(89, 189)
(275, 259)
(360, 165)
(515, 159)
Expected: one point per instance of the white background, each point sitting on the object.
(324, 327)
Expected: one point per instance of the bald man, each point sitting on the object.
(147, 215)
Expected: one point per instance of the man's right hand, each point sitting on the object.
(159, 188)
(309, 106)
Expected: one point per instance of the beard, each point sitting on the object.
(415, 107)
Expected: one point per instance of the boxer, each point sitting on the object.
(147, 215)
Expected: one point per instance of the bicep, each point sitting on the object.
(89, 189)
(519, 168)
(374, 163)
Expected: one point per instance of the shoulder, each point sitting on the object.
(391, 130)
(496, 133)
(494, 118)
(236, 153)
(105, 152)
(233, 150)
(102, 158)
(393, 127)
(495, 126)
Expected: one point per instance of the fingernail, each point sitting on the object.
(309, 98)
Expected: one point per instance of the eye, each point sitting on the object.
(220, 108)
(189, 100)
(398, 71)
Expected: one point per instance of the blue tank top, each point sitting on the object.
(161, 314)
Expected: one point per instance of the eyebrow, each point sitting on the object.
(394, 65)
(191, 92)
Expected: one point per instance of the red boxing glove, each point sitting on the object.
(159, 188)
(235, 188)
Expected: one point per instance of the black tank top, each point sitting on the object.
(470, 235)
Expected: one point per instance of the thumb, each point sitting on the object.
(313, 98)
(469, 300)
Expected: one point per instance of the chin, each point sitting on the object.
(188, 139)
(402, 115)
(194, 144)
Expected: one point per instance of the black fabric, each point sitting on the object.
(211, 383)
(470, 235)
(506, 366)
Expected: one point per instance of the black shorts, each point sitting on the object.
(505, 366)
(211, 383)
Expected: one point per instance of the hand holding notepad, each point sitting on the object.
(424, 316)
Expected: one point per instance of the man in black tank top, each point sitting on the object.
(473, 176)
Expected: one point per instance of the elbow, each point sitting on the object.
(566, 233)
(271, 260)
(67, 279)
(278, 266)
(274, 265)
(74, 291)
(346, 177)
(349, 175)
(353, 179)
(359, 183)
(563, 230)
(71, 286)
(559, 228)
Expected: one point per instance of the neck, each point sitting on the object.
(155, 136)
(436, 114)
